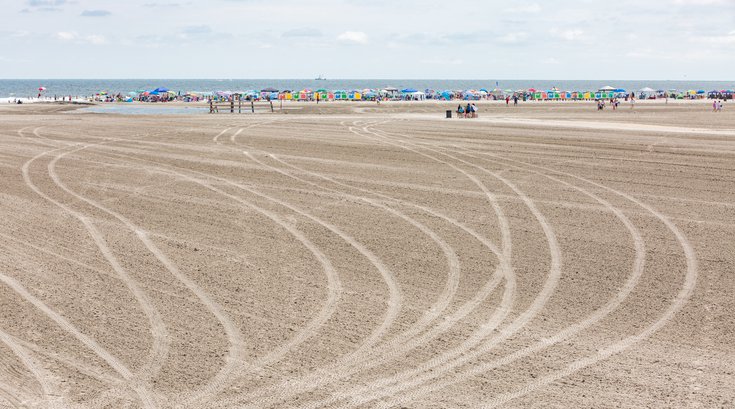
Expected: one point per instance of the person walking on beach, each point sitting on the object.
(474, 110)
(515, 100)
(714, 105)
(632, 102)
(460, 112)
(468, 111)
(507, 101)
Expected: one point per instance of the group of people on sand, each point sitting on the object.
(614, 103)
(470, 111)
(717, 106)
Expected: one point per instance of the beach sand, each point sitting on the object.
(356, 255)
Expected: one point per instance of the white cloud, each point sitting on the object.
(353, 37)
(66, 36)
(532, 8)
(726, 39)
(568, 35)
(95, 39)
(513, 38)
(69, 36)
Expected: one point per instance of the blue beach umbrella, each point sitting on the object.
(160, 90)
(409, 90)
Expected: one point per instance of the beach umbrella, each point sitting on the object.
(484, 90)
(607, 88)
(701, 91)
(532, 90)
(647, 89)
(409, 90)
(42, 88)
(269, 89)
(160, 90)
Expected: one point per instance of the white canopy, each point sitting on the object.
(647, 89)
(607, 88)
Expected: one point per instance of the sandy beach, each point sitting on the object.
(355, 255)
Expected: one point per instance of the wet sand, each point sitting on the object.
(356, 255)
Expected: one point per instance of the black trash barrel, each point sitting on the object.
(449, 114)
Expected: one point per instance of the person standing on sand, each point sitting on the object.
(474, 110)
(460, 111)
(632, 103)
(515, 100)
(507, 101)
(714, 105)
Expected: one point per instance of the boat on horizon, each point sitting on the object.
(321, 77)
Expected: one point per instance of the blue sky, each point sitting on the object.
(554, 39)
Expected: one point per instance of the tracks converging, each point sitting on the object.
(317, 262)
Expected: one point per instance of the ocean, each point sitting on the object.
(29, 87)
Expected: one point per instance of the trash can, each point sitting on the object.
(449, 114)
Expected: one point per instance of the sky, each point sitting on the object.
(369, 39)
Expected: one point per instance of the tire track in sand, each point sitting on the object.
(234, 337)
(333, 282)
(340, 368)
(599, 314)
(690, 281)
(394, 304)
(158, 329)
(290, 386)
(145, 396)
(379, 388)
(49, 393)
